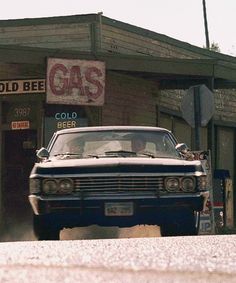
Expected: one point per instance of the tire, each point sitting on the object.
(185, 225)
(43, 230)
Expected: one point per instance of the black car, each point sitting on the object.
(116, 176)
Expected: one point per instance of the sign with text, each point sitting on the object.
(19, 111)
(23, 86)
(75, 82)
(20, 125)
(60, 121)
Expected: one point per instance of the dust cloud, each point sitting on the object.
(21, 231)
(96, 232)
(24, 232)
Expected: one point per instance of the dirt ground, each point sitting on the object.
(22, 231)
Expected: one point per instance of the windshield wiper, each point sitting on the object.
(146, 153)
(123, 153)
(92, 155)
(67, 154)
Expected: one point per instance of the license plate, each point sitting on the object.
(119, 209)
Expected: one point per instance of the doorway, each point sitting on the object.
(19, 148)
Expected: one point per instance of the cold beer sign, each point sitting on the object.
(75, 82)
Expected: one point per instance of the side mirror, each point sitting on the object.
(182, 148)
(42, 153)
(184, 151)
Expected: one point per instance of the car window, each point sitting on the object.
(103, 143)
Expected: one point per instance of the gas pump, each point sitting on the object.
(222, 200)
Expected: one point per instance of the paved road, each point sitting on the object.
(150, 259)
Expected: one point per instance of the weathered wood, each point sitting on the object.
(74, 36)
(123, 48)
(120, 41)
(225, 103)
(127, 101)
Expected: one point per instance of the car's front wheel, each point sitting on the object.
(186, 225)
(43, 230)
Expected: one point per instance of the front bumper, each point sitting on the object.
(74, 211)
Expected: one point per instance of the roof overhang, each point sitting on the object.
(168, 72)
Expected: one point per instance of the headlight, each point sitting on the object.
(65, 186)
(188, 184)
(50, 186)
(172, 184)
(34, 186)
(202, 182)
(58, 186)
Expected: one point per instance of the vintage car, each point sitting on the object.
(116, 176)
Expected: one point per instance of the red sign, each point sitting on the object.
(75, 82)
(20, 125)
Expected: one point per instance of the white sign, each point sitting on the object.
(75, 82)
(22, 86)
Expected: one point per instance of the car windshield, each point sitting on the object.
(114, 143)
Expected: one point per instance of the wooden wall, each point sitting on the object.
(67, 33)
(74, 36)
(225, 103)
(116, 40)
(129, 101)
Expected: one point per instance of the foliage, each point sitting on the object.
(214, 47)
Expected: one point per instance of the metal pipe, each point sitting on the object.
(205, 24)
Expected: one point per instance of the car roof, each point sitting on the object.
(107, 128)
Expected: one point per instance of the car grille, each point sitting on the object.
(119, 183)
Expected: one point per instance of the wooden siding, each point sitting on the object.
(77, 36)
(21, 71)
(129, 101)
(112, 37)
(225, 103)
(116, 40)
(171, 99)
(66, 36)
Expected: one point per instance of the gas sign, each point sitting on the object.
(75, 82)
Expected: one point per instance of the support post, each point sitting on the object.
(197, 118)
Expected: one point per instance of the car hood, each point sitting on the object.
(114, 161)
(112, 165)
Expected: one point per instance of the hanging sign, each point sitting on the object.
(75, 82)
